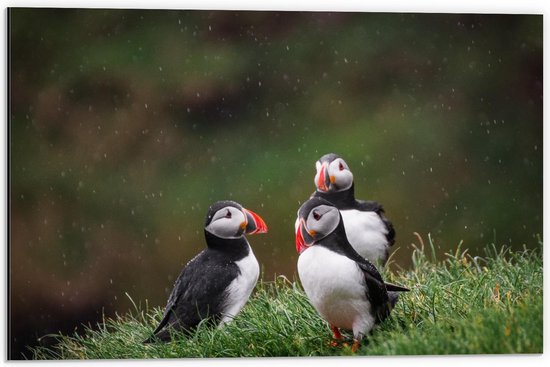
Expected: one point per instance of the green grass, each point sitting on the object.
(461, 305)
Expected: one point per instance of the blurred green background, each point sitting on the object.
(126, 125)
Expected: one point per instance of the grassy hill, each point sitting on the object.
(463, 304)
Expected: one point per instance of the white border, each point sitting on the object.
(429, 6)
(422, 6)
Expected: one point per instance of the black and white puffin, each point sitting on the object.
(345, 288)
(369, 232)
(217, 282)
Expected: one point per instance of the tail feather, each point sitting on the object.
(395, 288)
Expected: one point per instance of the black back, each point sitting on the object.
(200, 290)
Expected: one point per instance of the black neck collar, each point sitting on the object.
(234, 248)
(338, 242)
(341, 199)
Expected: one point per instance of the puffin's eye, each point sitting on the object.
(228, 214)
(316, 215)
(341, 166)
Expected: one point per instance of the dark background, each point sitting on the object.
(126, 125)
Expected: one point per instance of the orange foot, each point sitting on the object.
(355, 346)
(338, 344)
(336, 332)
(336, 335)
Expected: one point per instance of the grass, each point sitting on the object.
(463, 304)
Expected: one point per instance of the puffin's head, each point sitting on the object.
(228, 219)
(317, 218)
(333, 174)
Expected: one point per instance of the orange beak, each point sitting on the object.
(323, 178)
(254, 223)
(301, 244)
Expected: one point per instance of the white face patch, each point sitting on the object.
(341, 176)
(322, 220)
(226, 223)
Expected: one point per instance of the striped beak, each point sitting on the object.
(323, 180)
(254, 223)
(303, 238)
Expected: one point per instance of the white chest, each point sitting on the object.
(366, 233)
(241, 287)
(335, 286)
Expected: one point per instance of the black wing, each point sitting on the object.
(199, 292)
(376, 289)
(177, 290)
(382, 296)
(373, 206)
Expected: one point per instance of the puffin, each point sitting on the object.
(215, 284)
(368, 230)
(345, 288)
